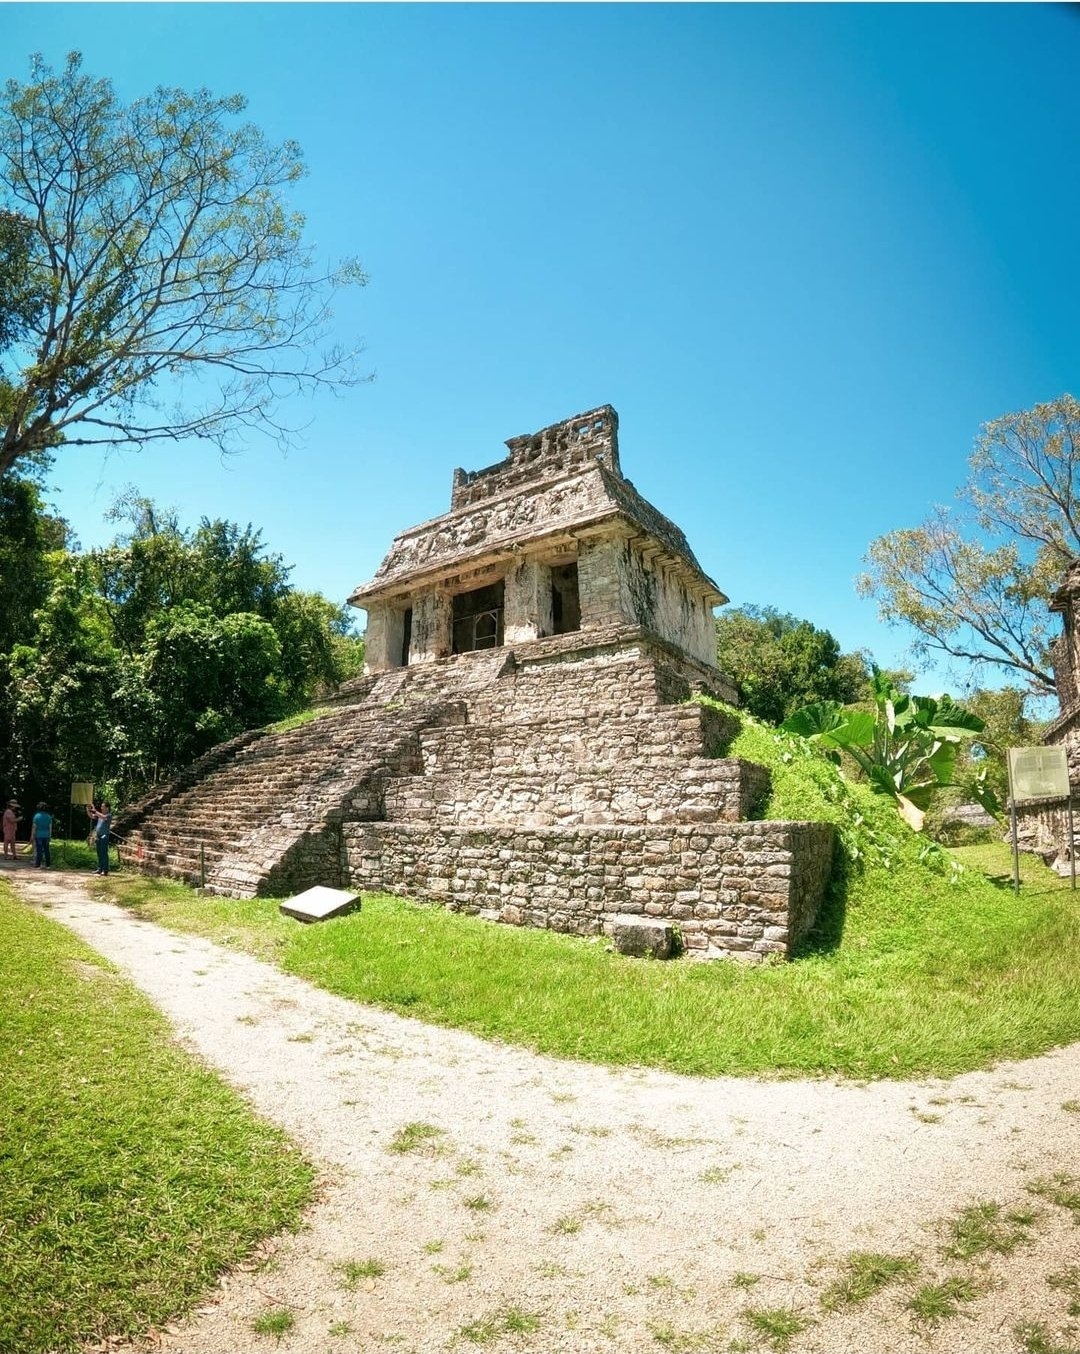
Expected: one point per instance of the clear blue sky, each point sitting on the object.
(804, 250)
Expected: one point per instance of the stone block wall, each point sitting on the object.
(707, 792)
(618, 669)
(610, 765)
(742, 890)
(599, 740)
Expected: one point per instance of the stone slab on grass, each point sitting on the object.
(320, 904)
(643, 937)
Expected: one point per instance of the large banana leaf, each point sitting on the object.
(829, 723)
(907, 750)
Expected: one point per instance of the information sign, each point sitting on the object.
(1038, 773)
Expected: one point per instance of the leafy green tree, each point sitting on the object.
(209, 677)
(147, 248)
(121, 665)
(1006, 724)
(28, 537)
(975, 584)
(906, 749)
(32, 542)
(155, 565)
(781, 663)
(60, 686)
(319, 649)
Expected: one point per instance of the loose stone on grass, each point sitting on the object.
(320, 904)
(642, 937)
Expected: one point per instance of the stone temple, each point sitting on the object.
(523, 744)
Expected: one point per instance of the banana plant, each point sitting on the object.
(906, 749)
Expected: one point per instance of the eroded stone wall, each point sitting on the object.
(618, 668)
(723, 791)
(586, 439)
(736, 890)
(662, 602)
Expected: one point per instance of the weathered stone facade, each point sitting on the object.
(523, 744)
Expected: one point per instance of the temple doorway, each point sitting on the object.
(478, 619)
(565, 600)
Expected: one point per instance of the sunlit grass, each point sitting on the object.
(864, 1274)
(130, 1176)
(931, 978)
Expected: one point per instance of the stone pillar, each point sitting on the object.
(526, 602)
(602, 584)
(382, 639)
(430, 628)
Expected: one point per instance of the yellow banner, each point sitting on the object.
(82, 792)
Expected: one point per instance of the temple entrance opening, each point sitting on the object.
(478, 619)
(406, 636)
(565, 601)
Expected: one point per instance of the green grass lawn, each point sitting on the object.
(922, 964)
(129, 1175)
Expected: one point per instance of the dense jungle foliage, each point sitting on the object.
(120, 665)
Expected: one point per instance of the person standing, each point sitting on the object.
(102, 826)
(12, 818)
(41, 833)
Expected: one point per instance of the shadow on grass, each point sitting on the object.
(1037, 880)
(828, 930)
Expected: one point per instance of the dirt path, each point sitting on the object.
(560, 1206)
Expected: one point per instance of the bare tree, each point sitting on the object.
(975, 584)
(173, 293)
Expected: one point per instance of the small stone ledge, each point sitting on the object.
(643, 937)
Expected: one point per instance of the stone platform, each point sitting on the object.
(553, 784)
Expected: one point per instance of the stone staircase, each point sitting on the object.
(262, 813)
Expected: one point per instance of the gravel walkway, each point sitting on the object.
(560, 1206)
